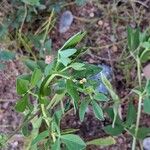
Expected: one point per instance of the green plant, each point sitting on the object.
(138, 48)
(57, 88)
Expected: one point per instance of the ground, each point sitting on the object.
(106, 26)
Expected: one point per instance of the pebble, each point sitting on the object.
(100, 22)
(91, 15)
(146, 143)
(114, 48)
(65, 21)
(146, 71)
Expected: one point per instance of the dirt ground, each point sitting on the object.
(106, 37)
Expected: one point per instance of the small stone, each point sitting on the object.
(114, 48)
(92, 15)
(100, 22)
(106, 24)
(146, 143)
(146, 71)
(65, 21)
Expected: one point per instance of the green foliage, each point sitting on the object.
(107, 141)
(50, 86)
(73, 142)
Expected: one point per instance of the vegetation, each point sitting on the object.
(56, 85)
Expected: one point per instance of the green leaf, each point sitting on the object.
(45, 90)
(114, 96)
(147, 105)
(118, 129)
(6, 55)
(97, 111)
(67, 53)
(73, 142)
(72, 91)
(133, 38)
(146, 45)
(48, 46)
(145, 56)
(22, 86)
(25, 130)
(100, 97)
(65, 61)
(32, 2)
(82, 109)
(131, 115)
(41, 65)
(31, 64)
(22, 104)
(77, 66)
(40, 137)
(142, 132)
(56, 145)
(89, 70)
(73, 41)
(36, 76)
(106, 141)
(25, 77)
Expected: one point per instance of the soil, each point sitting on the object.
(106, 38)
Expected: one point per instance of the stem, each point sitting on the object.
(139, 105)
(137, 122)
(45, 115)
(139, 71)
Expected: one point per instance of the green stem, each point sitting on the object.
(137, 122)
(139, 105)
(45, 115)
(139, 71)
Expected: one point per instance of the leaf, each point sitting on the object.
(114, 96)
(56, 145)
(73, 41)
(48, 46)
(146, 45)
(22, 104)
(45, 90)
(36, 76)
(67, 53)
(73, 142)
(133, 38)
(40, 137)
(100, 97)
(77, 66)
(82, 109)
(65, 61)
(72, 91)
(41, 65)
(147, 105)
(89, 70)
(118, 129)
(106, 141)
(145, 56)
(32, 2)
(31, 64)
(6, 55)
(142, 132)
(131, 115)
(22, 86)
(97, 111)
